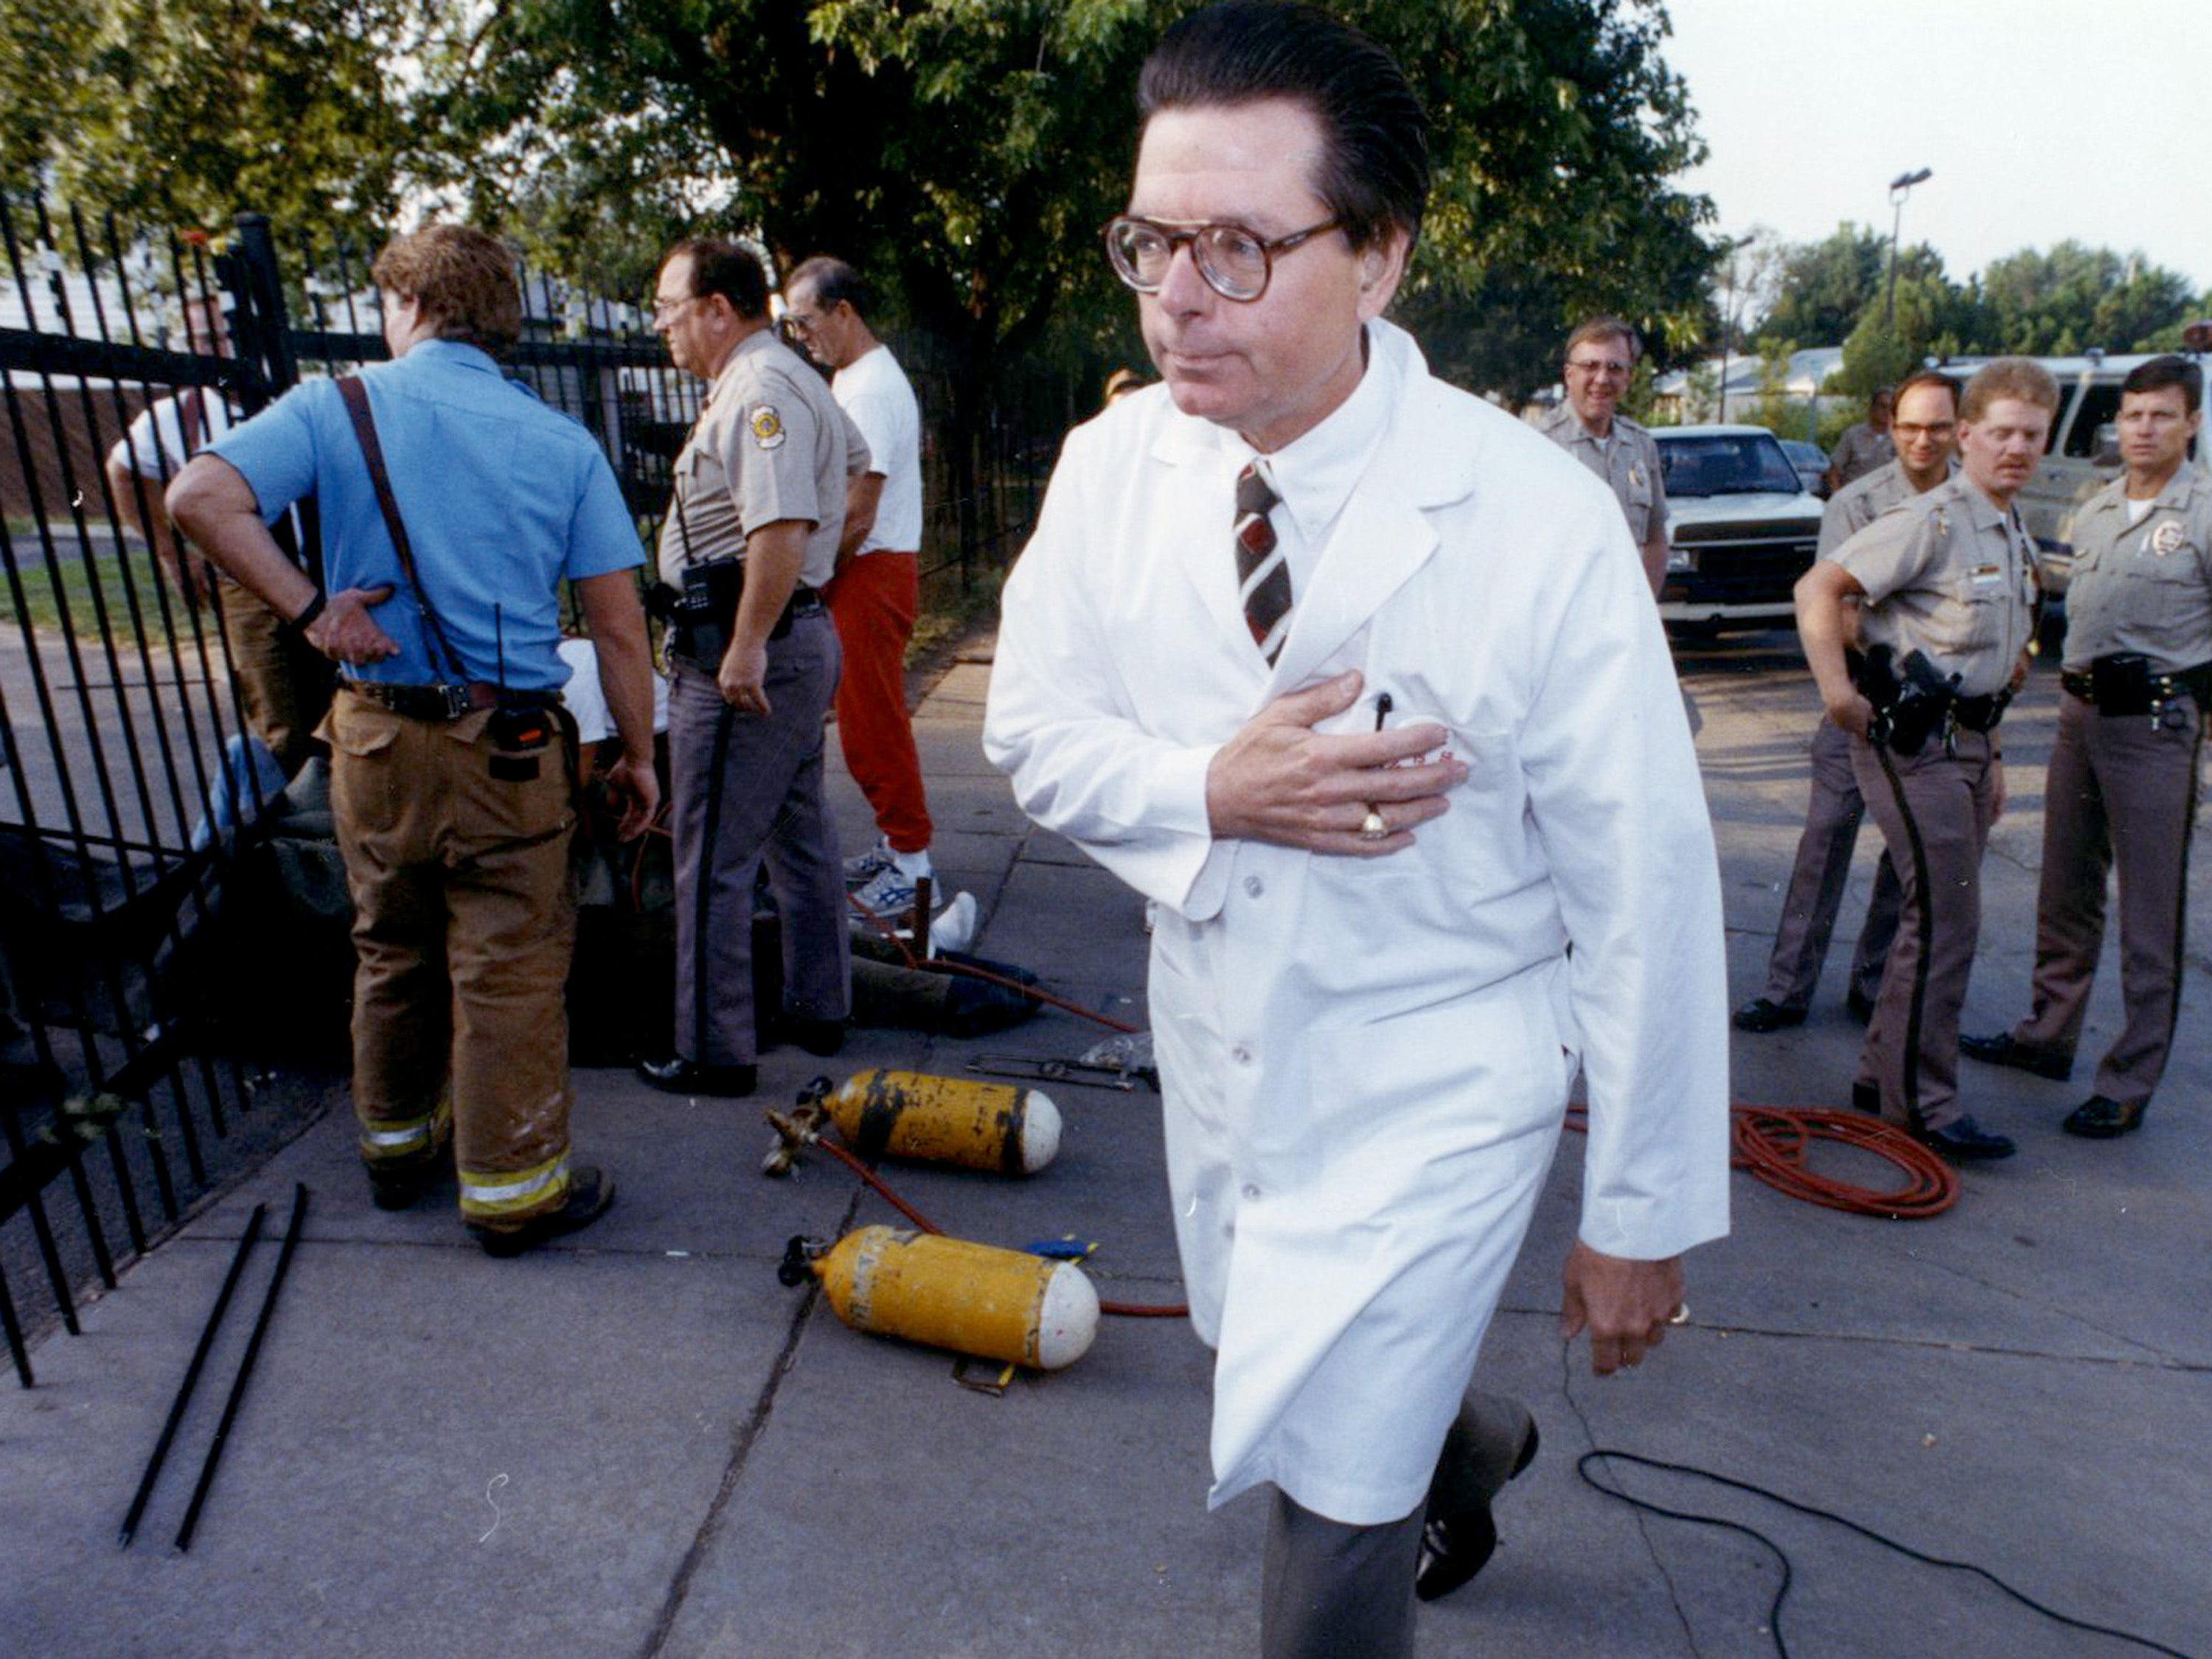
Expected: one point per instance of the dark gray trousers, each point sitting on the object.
(745, 788)
(1817, 881)
(2120, 792)
(1334, 1591)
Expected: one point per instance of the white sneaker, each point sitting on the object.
(863, 868)
(889, 894)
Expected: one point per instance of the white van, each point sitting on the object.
(2083, 455)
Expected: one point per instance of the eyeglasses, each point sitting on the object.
(1235, 262)
(1598, 366)
(802, 325)
(664, 309)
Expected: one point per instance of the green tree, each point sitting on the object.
(1824, 286)
(2074, 297)
(183, 111)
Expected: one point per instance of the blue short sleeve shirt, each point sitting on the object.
(502, 498)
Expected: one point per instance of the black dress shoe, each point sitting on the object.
(2003, 1050)
(1859, 1004)
(679, 1076)
(1866, 1097)
(1962, 1140)
(1762, 1015)
(2099, 1118)
(1456, 1546)
(590, 1192)
(820, 1037)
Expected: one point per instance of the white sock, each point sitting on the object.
(914, 866)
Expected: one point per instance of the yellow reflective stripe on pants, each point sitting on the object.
(490, 1192)
(394, 1140)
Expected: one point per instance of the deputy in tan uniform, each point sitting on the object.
(749, 538)
(1945, 584)
(1600, 359)
(1865, 444)
(1926, 430)
(2136, 678)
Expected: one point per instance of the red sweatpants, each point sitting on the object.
(872, 601)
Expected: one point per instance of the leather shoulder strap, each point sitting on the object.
(355, 395)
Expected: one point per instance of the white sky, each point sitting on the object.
(2041, 120)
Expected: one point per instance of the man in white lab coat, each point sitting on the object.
(1382, 735)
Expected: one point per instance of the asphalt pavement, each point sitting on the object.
(638, 1443)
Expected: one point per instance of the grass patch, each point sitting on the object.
(949, 614)
(42, 597)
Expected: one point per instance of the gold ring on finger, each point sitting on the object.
(1373, 827)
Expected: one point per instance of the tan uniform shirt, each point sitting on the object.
(1856, 506)
(1950, 574)
(1859, 451)
(2145, 586)
(1628, 461)
(770, 445)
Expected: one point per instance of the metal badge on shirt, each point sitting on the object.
(2168, 537)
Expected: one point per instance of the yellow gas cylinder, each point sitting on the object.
(947, 1120)
(972, 1298)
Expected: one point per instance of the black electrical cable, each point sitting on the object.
(1582, 1465)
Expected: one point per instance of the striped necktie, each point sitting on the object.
(1263, 577)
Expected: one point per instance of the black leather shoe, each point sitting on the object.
(1866, 1097)
(590, 1192)
(1859, 1006)
(1455, 1547)
(1760, 1015)
(679, 1076)
(2003, 1050)
(2099, 1118)
(820, 1037)
(1962, 1140)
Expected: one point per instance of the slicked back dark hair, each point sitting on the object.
(720, 264)
(1926, 377)
(2162, 372)
(832, 280)
(1374, 169)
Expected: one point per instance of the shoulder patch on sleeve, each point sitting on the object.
(766, 426)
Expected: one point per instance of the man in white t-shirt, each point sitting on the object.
(877, 590)
(284, 690)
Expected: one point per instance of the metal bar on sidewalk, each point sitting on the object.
(244, 1368)
(191, 1379)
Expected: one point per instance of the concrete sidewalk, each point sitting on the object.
(637, 1442)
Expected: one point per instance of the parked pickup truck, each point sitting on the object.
(1741, 527)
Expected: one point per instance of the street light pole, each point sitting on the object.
(1899, 188)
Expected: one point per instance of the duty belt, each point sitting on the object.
(2122, 685)
(701, 644)
(447, 702)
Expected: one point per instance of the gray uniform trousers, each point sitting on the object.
(2120, 791)
(745, 788)
(1334, 1591)
(1935, 811)
(1817, 881)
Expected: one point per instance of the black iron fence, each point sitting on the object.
(137, 1069)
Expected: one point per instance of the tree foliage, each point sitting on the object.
(2042, 304)
(963, 151)
(186, 110)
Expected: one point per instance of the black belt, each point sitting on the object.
(2122, 685)
(1980, 714)
(447, 702)
(702, 644)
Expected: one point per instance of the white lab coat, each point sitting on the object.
(1365, 1062)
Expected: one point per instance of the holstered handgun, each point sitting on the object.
(1912, 698)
